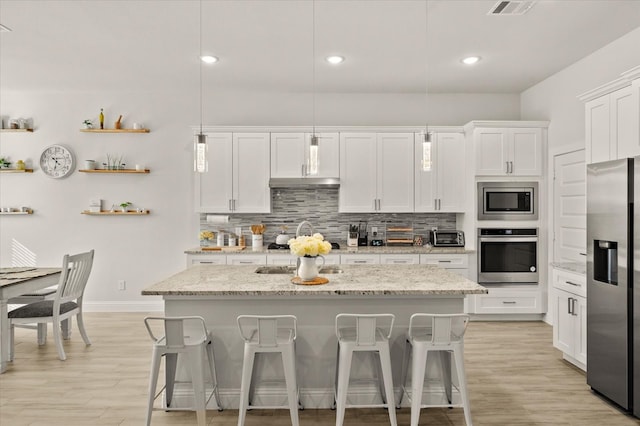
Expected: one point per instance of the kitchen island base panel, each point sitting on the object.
(315, 346)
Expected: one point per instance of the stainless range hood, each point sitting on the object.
(304, 182)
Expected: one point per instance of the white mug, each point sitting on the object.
(89, 164)
(139, 167)
(138, 126)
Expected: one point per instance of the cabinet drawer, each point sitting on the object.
(206, 259)
(509, 302)
(399, 259)
(247, 259)
(445, 260)
(570, 282)
(360, 259)
(286, 259)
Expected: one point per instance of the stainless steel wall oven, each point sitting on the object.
(507, 255)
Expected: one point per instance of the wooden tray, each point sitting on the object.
(315, 281)
(210, 248)
(233, 248)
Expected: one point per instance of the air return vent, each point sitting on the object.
(514, 7)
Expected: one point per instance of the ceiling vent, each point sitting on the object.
(4, 29)
(514, 7)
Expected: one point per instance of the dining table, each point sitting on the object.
(17, 281)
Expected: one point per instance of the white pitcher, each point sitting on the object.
(307, 267)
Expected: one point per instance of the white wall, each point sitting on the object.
(555, 99)
(145, 249)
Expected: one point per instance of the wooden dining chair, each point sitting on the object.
(66, 303)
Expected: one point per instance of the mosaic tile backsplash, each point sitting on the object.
(319, 206)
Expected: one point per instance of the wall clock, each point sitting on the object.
(57, 161)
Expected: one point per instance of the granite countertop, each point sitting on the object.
(363, 280)
(346, 250)
(575, 267)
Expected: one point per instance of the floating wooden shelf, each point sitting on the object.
(115, 171)
(115, 130)
(16, 213)
(115, 213)
(16, 130)
(16, 170)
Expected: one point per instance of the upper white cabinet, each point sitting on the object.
(612, 119)
(238, 177)
(376, 172)
(293, 155)
(440, 173)
(504, 151)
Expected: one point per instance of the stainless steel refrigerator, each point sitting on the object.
(613, 281)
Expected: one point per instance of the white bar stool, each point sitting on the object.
(273, 333)
(435, 333)
(175, 342)
(362, 332)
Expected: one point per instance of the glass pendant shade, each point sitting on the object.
(200, 163)
(313, 156)
(426, 152)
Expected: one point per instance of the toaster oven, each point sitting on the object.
(447, 238)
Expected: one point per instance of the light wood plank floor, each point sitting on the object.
(515, 377)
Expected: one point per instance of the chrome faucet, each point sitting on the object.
(303, 223)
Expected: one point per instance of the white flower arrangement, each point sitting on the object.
(309, 246)
(206, 235)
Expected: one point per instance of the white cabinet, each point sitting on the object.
(360, 259)
(293, 155)
(509, 300)
(399, 259)
(289, 259)
(570, 309)
(508, 151)
(612, 124)
(247, 259)
(206, 259)
(440, 173)
(376, 172)
(237, 180)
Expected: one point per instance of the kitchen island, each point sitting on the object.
(220, 293)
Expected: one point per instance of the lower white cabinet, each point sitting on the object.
(509, 300)
(289, 259)
(570, 309)
(399, 259)
(206, 259)
(360, 259)
(247, 259)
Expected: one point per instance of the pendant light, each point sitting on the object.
(200, 163)
(427, 136)
(312, 170)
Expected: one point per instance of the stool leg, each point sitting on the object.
(288, 363)
(153, 382)
(247, 369)
(214, 376)
(42, 333)
(335, 383)
(405, 370)
(197, 380)
(462, 383)
(66, 328)
(385, 364)
(170, 362)
(418, 366)
(377, 360)
(445, 368)
(344, 368)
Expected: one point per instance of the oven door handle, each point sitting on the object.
(508, 239)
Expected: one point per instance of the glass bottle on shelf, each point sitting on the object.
(101, 119)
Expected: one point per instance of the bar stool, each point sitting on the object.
(359, 333)
(442, 334)
(268, 334)
(193, 345)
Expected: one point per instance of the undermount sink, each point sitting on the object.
(291, 270)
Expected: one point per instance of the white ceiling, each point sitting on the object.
(268, 45)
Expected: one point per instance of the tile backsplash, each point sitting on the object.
(320, 207)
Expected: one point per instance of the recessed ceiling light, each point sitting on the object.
(209, 59)
(335, 60)
(470, 60)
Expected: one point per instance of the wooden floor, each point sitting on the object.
(515, 378)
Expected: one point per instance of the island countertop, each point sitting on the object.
(372, 280)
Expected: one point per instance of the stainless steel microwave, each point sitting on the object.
(507, 200)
